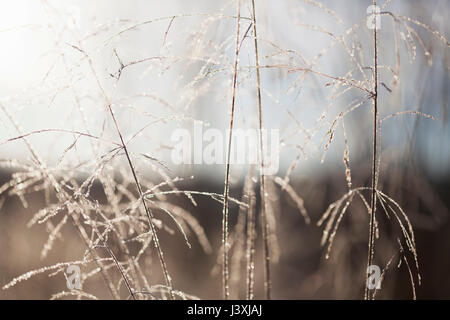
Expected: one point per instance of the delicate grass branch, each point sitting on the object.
(225, 245)
(265, 227)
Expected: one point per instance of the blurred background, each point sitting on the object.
(162, 66)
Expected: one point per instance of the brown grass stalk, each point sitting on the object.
(225, 266)
(267, 277)
(371, 245)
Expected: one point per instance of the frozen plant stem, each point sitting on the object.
(148, 211)
(371, 245)
(266, 248)
(250, 254)
(225, 267)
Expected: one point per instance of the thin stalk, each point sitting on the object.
(371, 246)
(148, 211)
(122, 272)
(266, 248)
(133, 264)
(250, 239)
(225, 267)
